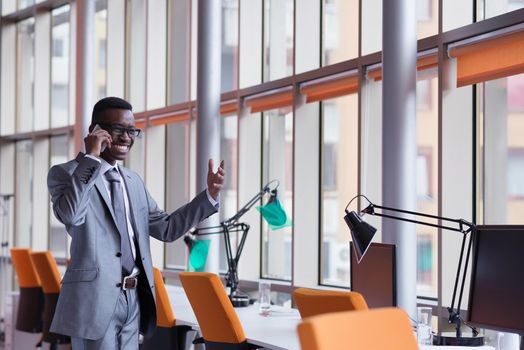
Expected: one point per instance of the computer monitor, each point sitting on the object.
(375, 276)
(496, 299)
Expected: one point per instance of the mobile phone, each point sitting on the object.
(98, 127)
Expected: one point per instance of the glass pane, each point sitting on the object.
(491, 8)
(59, 66)
(25, 75)
(427, 181)
(229, 44)
(179, 51)
(177, 186)
(340, 31)
(456, 14)
(502, 172)
(136, 54)
(277, 164)
(25, 3)
(339, 184)
(371, 26)
(228, 194)
(100, 51)
(57, 232)
(23, 190)
(278, 39)
(427, 18)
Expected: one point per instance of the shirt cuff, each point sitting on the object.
(213, 202)
(93, 157)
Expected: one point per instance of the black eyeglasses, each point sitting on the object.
(120, 130)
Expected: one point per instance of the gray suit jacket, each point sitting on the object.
(89, 287)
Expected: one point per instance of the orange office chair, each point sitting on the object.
(31, 302)
(218, 321)
(47, 270)
(168, 335)
(378, 329)
(312, 302)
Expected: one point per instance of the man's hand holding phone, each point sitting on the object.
(97, 141)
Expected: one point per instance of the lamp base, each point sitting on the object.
(239, 299)
(450, 338)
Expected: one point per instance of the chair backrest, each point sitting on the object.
(47, 271)
(312, 302)
(378, 329)
(164, 313)
(24, 268)
(215, 314)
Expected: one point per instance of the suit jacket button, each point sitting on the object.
(118, 255)
(119, 285)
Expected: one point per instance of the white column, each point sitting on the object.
(399, 57)
(208, 103)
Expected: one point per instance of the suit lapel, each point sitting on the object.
(132, 196)
(101, 187)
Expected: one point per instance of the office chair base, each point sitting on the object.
(452, 340)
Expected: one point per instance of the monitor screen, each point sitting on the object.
(375, 277)
(496, 299)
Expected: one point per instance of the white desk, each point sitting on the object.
(277, 331)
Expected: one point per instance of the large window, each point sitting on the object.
(501, 148)
(339, 184)
(491, 8)
(277, 164)
(60, 67)
(278, 39)
(57, 234)
(99, 59)
(229, 71)
(136, 54)
(23, 190)
(340, 30)
(177, 185)
(179, 47)
(228, 195)
(25, 75)
(426, 181)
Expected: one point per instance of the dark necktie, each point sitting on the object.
(117, 199)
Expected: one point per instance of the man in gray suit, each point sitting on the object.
(107, 293)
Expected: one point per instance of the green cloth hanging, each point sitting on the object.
(275, 215)
(198, 255)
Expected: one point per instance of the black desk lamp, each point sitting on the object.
(362, 234)
(237, 297)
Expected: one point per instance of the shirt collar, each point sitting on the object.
(105, 166)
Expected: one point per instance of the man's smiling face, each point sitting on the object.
(113, 120)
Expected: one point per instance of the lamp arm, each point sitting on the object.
(266, 189)
(461, 222)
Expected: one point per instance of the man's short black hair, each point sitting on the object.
(108, 103)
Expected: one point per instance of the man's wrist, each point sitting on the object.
(214, 202)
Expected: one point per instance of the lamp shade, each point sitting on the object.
(361, 233)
